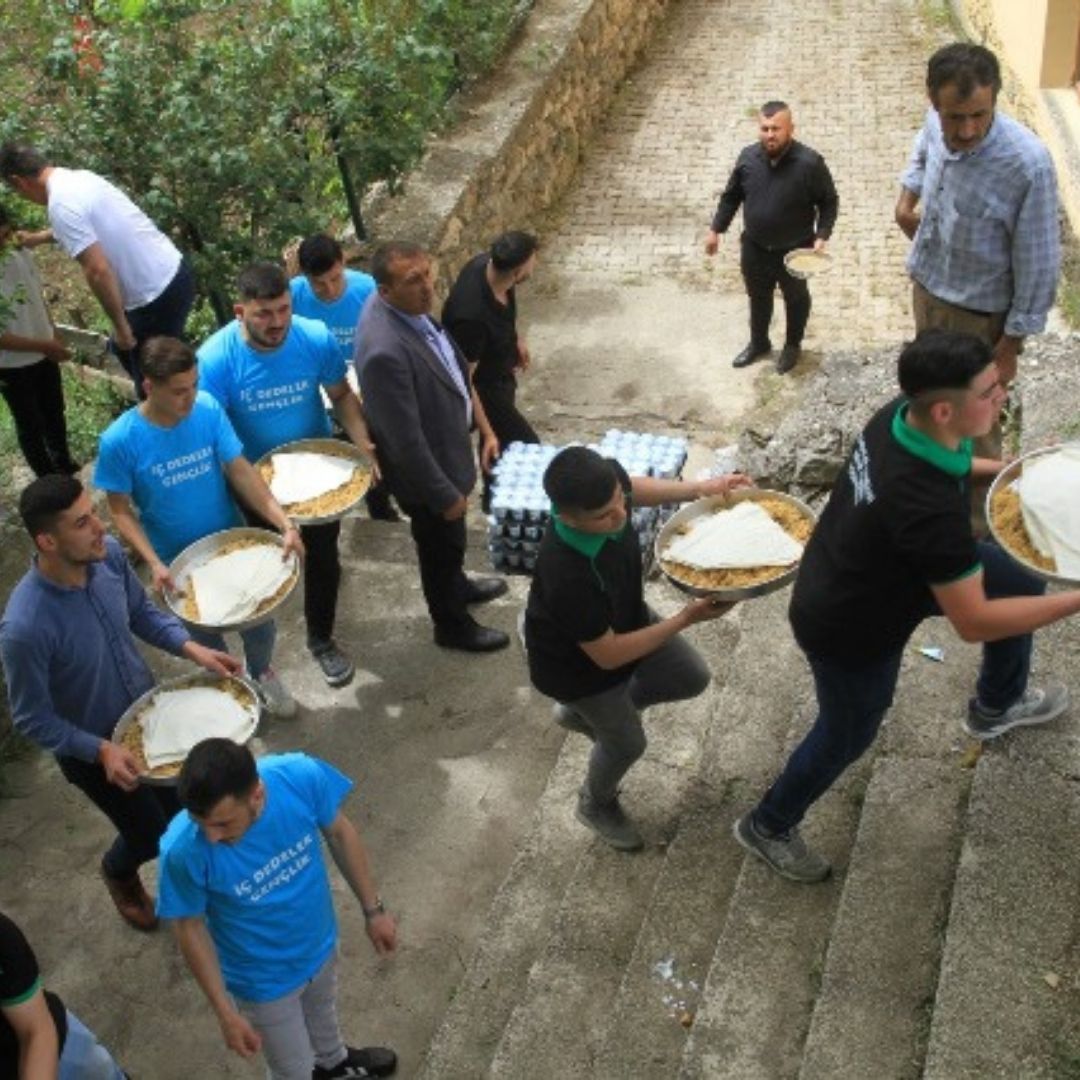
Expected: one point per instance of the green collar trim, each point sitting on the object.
(587, 544)
(956, 463)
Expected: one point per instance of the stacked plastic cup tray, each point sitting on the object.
(520, 509)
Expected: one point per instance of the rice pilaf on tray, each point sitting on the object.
(1007, 518)
(795, 523)
(132, 738)
(331, 502)
(189, 606)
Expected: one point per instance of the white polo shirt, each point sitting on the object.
(85, 208)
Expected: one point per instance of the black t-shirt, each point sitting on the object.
(573, 599)
(484, 329)
(19, 981)
(896, 523)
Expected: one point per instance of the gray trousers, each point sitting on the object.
(300, 1030)
(674, 672)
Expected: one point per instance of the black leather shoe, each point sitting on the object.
(752, 352)
(480, 590)
(475, 638)
(788, 358)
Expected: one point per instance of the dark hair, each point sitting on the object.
(941, 360)
(319, 253)
(387, 253)
(261, 281)
(964, 66)
(511, 249)
(771, 108)
(163, 357)
(45, 499)
(214, 770)
(579, 479)
(20, 159)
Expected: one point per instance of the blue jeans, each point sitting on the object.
(84, 1058)
(853, 699)
(258, 644)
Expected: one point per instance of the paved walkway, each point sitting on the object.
(852, 71)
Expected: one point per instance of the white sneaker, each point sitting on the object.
(278, 701)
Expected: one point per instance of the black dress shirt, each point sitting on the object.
(786, 204)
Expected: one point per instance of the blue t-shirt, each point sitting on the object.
(173, 474)
(272, 397)
(343, 314)
(266, 897)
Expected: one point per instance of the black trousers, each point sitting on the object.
(322, 574)
(440, 548)
(506, 421)
(35, 396)
(140, 816)
(165, 315)
(762, 272)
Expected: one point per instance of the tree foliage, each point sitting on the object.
(239, 125)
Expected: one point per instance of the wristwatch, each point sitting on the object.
(379, 908)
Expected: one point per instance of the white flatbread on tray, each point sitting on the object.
(178, 719)
(301, 476)
(229, 588)
(734, 539)
(1050, 502)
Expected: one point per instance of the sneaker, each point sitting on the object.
(1037, 706)
(786, 853)
(609, 823)
(567, 718)
(277, 699)
(360, 1061)
(337, 668)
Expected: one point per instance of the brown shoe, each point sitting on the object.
(132, 901)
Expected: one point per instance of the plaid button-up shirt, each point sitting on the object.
(989, 235)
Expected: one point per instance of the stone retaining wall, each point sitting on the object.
(520, 135)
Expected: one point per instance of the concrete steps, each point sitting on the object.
(1007, 997)
(871, 1014)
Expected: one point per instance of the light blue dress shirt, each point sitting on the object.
(988, 239)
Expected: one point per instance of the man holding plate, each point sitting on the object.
(265, 369)
(67, 642)
(593, 644)
(166, 467)
(789, 202)
(893, 546)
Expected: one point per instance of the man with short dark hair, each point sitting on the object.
(244, 880)
(166, 466)
(327, 290)
(592, 642)
(893, 546)
(265, 369)
(480, 314)
(143, 283)
(421, 405)
(67, 642)
(789, 202)
(979, 201)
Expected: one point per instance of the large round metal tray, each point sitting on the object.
(336, 448)
(205, 549)
(182, 683)
(1008, 475)
(710, 505)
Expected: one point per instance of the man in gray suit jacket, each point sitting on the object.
(420, 405)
